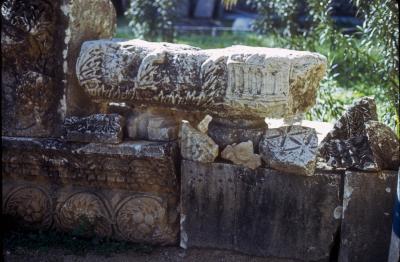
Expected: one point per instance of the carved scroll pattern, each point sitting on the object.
(31, 204)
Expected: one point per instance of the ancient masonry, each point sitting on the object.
(169, 144)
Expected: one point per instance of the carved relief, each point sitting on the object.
(142, 218)
(235, 81)
(31, 204)
(84, 210)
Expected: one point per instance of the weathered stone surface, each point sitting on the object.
(346, 146)
(196, 145)
(238, 81)
(227, 131)
(384, 145)
(126, 191)
(87, 20)
(153, 127)
(367, 214)
(261, 212)
(203, 125)
(98, 128)
(290, 149)
(242, 154)
(39, 43)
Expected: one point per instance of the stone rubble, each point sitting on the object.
(196, 146)
(242, 154)
(290, 149)
(357, 140)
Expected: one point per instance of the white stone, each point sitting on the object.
(242, 154)
(203, 125)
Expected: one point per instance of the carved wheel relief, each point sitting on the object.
(141, 218)
(85, 211)
(30, 204)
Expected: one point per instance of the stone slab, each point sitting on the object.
(368, 202)
(238, 81)
(97, 128)
(260, 212)
(127, 191)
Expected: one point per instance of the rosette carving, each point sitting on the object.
(142, 219)
(85, 212)
(30, 204)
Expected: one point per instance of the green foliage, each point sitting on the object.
(368, 58)
(151, 20)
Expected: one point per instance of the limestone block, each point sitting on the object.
(290, 149)
(262, 212)
(98, 128)
(368, 202)
(196, 145)
(359, 141)
(242, 154)
(228, 131)
(124, 191)
(40, 41)
(238, 81)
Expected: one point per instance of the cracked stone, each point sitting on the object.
(242, 154)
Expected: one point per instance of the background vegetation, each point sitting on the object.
(364, 62)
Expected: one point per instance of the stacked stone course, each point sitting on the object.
(163, 143)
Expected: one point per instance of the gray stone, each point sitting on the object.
(290, 149)
(242, 154)
(346, 146)
(204, 9)
(260, 212)
(161, 129)
(368, 202)
(384, 145)
(196, 145)
(228, 131)
(97, 128)
(237, 82)
(127, 191)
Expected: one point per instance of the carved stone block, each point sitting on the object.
(290, 149)
(239, 81)
(98, 128)
(260, 212)
(368, 202)
(126, 191)
(40, 41)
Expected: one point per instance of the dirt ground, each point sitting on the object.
(161, 254)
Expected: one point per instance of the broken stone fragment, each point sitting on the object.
(97, 128)
(197, 146)
(203, 125)
(291, 149)
(384, 145)
(238, 81)
(242, 154)
(355, 144)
